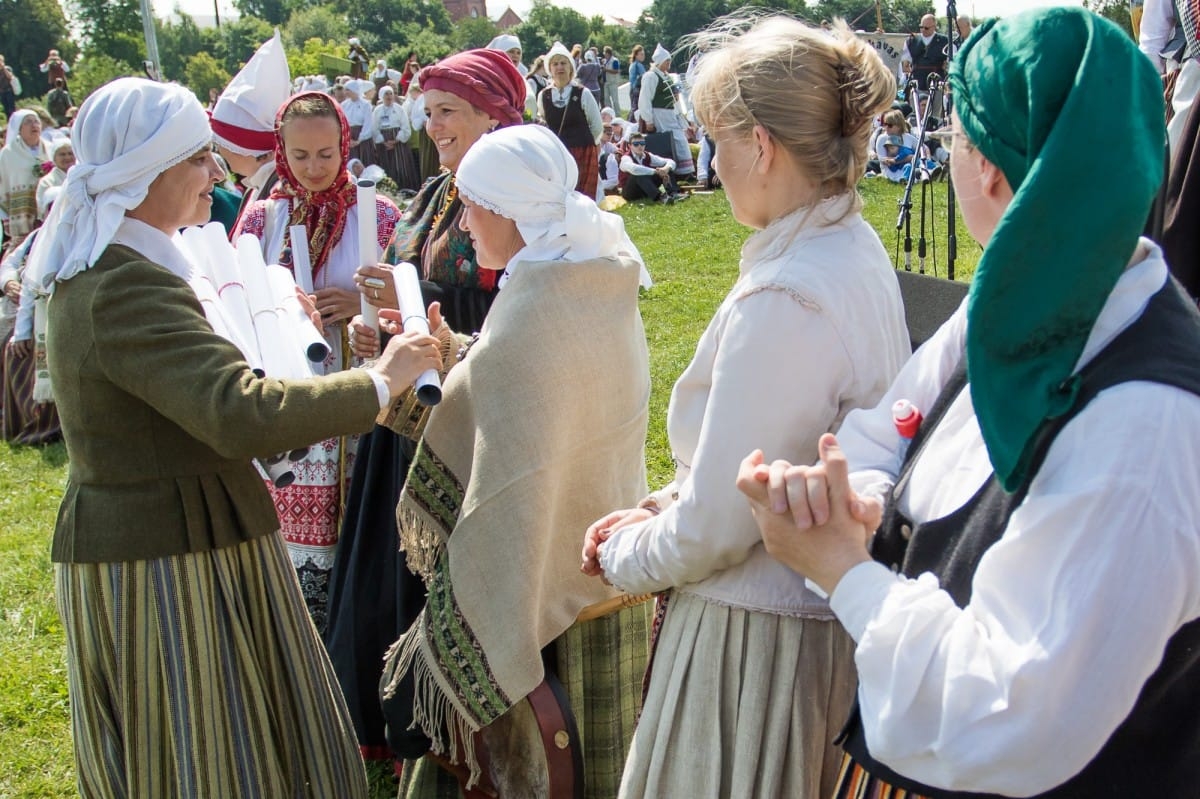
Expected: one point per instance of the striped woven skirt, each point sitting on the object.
(855, 783)
(26, 421)
(201, 675)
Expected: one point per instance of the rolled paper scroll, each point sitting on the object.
(217, 284)
(301, 259)
(412, 312)
(228, 279)
(368, 245)
(279, 339)
(283, 289)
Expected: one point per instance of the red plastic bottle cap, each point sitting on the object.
(907, 418)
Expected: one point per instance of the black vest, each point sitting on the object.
(1155, 752)
(569, 122)
(927, 59)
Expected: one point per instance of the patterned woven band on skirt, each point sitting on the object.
(855, 783)
(201, 675)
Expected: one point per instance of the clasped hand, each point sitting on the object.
(600, 531)
(810, 519)
(364, 340)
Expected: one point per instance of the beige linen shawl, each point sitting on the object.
(541, 432)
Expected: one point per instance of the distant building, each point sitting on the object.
(463, 9)
(508, 19)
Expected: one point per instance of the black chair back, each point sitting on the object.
(928, 302)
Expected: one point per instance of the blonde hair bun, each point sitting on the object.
(814, 90)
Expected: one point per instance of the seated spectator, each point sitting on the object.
(622, 129)
(609, 163)
(706, 171)
(914, 117)
(644, 174)
(897, 164)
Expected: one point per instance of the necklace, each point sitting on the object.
(451, 196)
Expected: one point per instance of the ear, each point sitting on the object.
(992, 182)
(766, 149)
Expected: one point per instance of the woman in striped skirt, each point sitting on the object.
(193, 667)
(392, 132)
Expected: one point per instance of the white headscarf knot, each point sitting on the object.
(661, 54)
(525, 173)
(126, 134)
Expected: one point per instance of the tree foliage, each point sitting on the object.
(203, 72)
(238, 41)
(386, 25)
(178, 41)
(1116, 11)
(669, 21)
(306, 59)
(427, 45)
(29, 28)
(899, 16)
(94, 70)
(473, 32)
(112, 28)
(534, 40)
(322, 22)
(559, 24)
(273, 12)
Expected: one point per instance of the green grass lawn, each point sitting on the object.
(692, 251)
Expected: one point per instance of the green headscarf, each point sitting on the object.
(1062, 101)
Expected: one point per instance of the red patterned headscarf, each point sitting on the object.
(323, 213)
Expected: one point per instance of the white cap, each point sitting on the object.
(246, 109)
(661, 54)
(506, 42)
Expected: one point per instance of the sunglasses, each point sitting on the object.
(637, 144)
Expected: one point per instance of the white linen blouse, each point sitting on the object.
(813, 327)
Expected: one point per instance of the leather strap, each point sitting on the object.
(560, 739)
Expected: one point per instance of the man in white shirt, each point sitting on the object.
(644, 174)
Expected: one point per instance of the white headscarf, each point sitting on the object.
(12, 140)
(505, 42)
(524, 173)
(126, 134)
(12, 137)
(560, 49)
(661, 54)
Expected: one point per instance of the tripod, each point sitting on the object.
(917, 171)
(947, 112)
